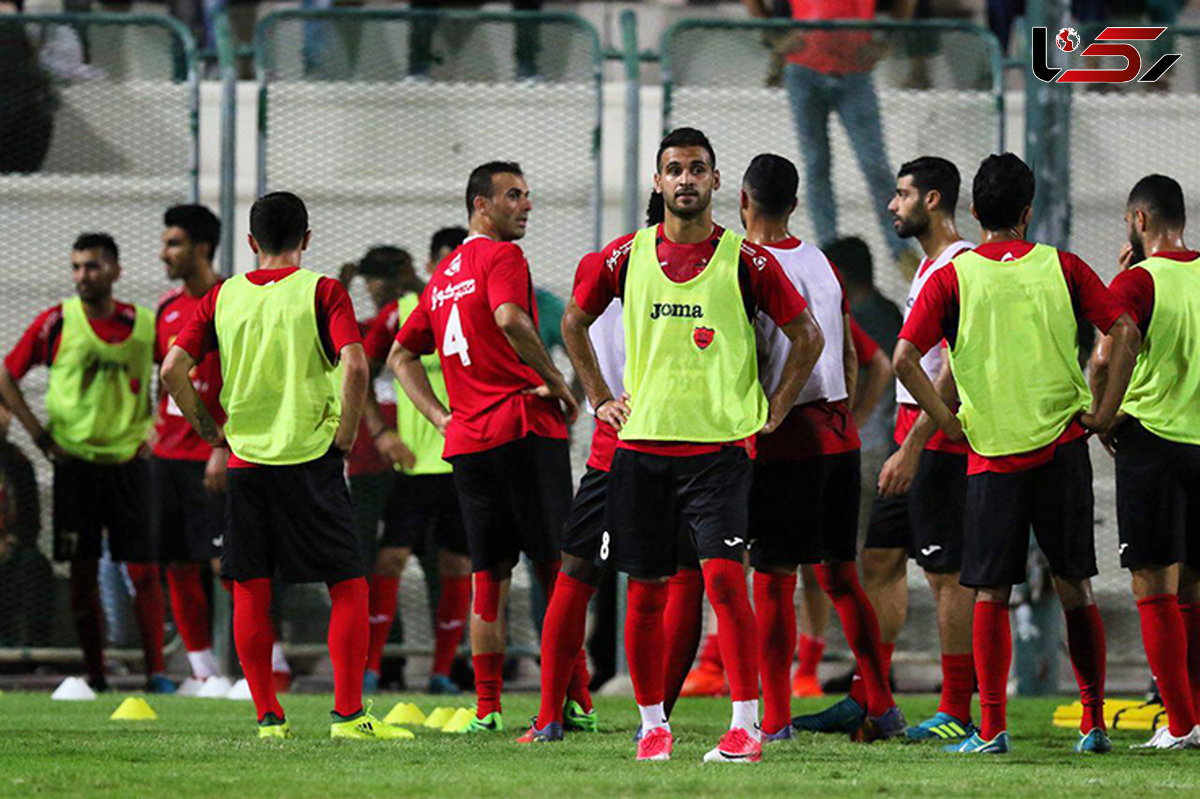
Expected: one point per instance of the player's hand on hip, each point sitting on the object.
(344, 439)
(560, 391)
(215, 470)
(614, 412)
(391, 447)
(896, 477)
(775, 417)
(954, 430)
(442, 423)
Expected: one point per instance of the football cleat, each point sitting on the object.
(942, 726)
(890, 725)
(576, 720)
(492, 722)
(1163, 739)
(806, 686)
(656, 744)
(1094, 742)
(845, 715)
(273, 727)
(785, 733)
(735, 746)
(975, 745)
(160, 684)
(553, 731)
(441, 684)
(707, 679)
(366, 727)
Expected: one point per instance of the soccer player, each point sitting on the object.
(507, 436)
(101, 357)
(689, 290)
(1157, 444)
(1007, 311)
(420, 501)
(803, 503)
(918, 512)
(281, 332)
(189, 474)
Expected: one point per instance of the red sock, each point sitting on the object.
(861, 626)
(150, 608)
(381, 611)
(681, 625)
(992, 638)
(189, 605)
(1085, 641)
(710, 652)
(452, 609)
(810, 652)
(1190, 611)
(489, 680)
(725, 582)
(577, 688)
(644, 640)
(562, 645)
(349, 635)
(88, 615)
(775, 613)
(253, 636)
(958, 683)
(1162, 630)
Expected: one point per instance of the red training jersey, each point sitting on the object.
(363, 457)
(174, 437)
(39, 343)
(1134, 288)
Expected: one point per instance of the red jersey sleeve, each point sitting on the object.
(382, 332)
(417, 333)
(335, 314)
(199, 336)
(936, 306)
(772, 292)
(1088, 292)
(1134, 290)
(508, 278)
(598, 280)
(864, 346)
(35, 345)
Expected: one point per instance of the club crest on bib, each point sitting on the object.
(703, 336)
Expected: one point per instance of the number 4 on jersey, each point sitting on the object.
(455, 343)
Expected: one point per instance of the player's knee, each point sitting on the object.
(391, 561)
(881, 567)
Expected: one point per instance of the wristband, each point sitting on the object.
(603, 403)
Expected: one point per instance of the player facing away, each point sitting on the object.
(507, 436)
(421, 500)
(1007, 311)
(804, 498)
(189, 473)
(919, 510)
(1157, 443)
(689, 292)
(282, 332)
(100, 353)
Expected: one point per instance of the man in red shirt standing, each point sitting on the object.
(506, 435)
(1007, 311)
(189, 474)
(100, 353)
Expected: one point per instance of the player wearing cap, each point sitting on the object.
(505, 431)
(1157, 443)
(282, 332)
(100, 353)
(1007, 310)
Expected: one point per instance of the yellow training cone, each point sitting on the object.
(134, 709)
(405, 713)
(438, 718)
(460, 720)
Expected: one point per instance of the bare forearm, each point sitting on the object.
(583, 356)
(849, 362)
(191, 406)
(1126, 340)
(518, 328)
(924, 428)
(907, 364)
(879, 374)
(415, 383)
(807, 343)
(14, 398)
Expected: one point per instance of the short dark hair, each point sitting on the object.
(480, 182)
(685, 137)
(771, 181)
(446, 238)
(278, 222)
(1003, 188)
(385, 260)
(201, 224)
(1161, 198)
(97, 241)
(852, 257)
(656, 209)
(930, 173)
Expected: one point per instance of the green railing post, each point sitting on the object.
(633, 117)
(1048, 132)
(227, 63)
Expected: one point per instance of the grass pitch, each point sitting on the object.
(201, 747)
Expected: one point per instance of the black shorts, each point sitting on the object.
(651, 496)
(1055, 499)
(189, 520)
(421, 507)
(91, 498)
(296, 521)
(928, 520)
(368, 495)
(514, 499)
(1158, 499)
(805, 511)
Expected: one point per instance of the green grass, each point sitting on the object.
(207, 748)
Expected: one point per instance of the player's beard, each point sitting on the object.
(911, 226)
(694, 212)
(1139, 248)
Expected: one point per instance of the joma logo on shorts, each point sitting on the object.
(676, 309)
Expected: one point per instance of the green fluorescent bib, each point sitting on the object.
(690, 365)
(1015, 358)
(280, 390)
(1164, 392)
(98, 400)
(417, 432)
